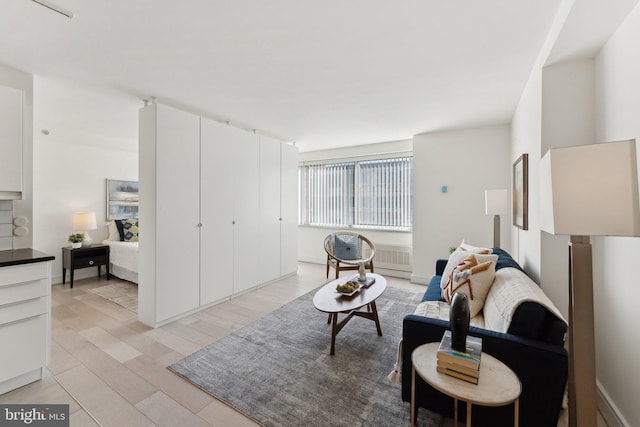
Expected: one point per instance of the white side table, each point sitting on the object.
(497, 385)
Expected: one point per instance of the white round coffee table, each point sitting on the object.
(497, 384)
(330, 301)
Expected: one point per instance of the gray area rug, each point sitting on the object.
(122, 293)
(278, 370)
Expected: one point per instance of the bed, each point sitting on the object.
(123, 255)
(123, 259)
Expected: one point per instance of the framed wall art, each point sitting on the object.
(122, 199)
(521, 192)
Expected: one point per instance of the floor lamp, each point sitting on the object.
(496, 203)
(588, 190)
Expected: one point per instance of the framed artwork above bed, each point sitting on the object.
(122, 199)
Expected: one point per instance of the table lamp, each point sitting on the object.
(84, 221)
(496, 203)
(588, 190)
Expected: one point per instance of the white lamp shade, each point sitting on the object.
(590, 190)
(83, 221)
(496, 202)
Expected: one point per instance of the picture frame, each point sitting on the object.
(122, 199)
(521, 192)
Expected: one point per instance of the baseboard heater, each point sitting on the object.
(392, 257)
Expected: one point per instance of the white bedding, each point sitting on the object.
(123, 258)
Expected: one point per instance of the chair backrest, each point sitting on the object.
(330, 245)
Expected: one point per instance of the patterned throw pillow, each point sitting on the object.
(130, 229)
(472, 277)
(458, 256)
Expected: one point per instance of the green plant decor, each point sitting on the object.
(452, 249)
(76, 238)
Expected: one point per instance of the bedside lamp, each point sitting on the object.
(84, 221)
(496, 204)
(588, 190)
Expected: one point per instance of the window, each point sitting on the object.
(363, 193)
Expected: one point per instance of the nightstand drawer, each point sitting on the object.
(80, 262)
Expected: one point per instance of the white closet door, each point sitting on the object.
(216, 210)
(269, 261)
(246, 230)
(177, 212)
(10, 139)
(289, 210)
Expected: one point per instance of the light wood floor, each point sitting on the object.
(111, 369)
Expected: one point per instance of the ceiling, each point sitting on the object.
(323, 73)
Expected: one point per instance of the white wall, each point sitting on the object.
(574, 103)
(525, 138)
(73, 162)
(310, 239)
(467, 161)
(23, 81)
(616, 290)
(71, 177)
(568, 119)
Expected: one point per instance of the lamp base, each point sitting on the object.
(496, 231)
(88, 241)
(582, 363)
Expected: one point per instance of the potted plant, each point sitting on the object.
(76, 240)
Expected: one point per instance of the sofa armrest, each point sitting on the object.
(542, 369)
(440, 266)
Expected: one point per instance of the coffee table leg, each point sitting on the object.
(334, 332)
(375, 317)
(413, 396)
(455, 412)
(468, 414)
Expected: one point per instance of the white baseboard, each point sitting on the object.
(313, 260)
(420, 280)
(608, 409)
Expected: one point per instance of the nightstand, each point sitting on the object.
(86, 256)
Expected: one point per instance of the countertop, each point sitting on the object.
(22, 256)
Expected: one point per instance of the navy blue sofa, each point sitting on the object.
(533, 348)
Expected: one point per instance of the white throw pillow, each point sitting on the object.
(475, 249)
(113, 231)
(473, 278)
(457, 257)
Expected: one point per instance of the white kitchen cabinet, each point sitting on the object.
(11, 100)
(216, 210)
(210, 213)
(24, 322)
(288, 209)
(246, 205)
(269, 238)
(169, 213)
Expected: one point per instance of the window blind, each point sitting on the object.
(368, 194)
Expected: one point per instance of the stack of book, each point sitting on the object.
(465, 366)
